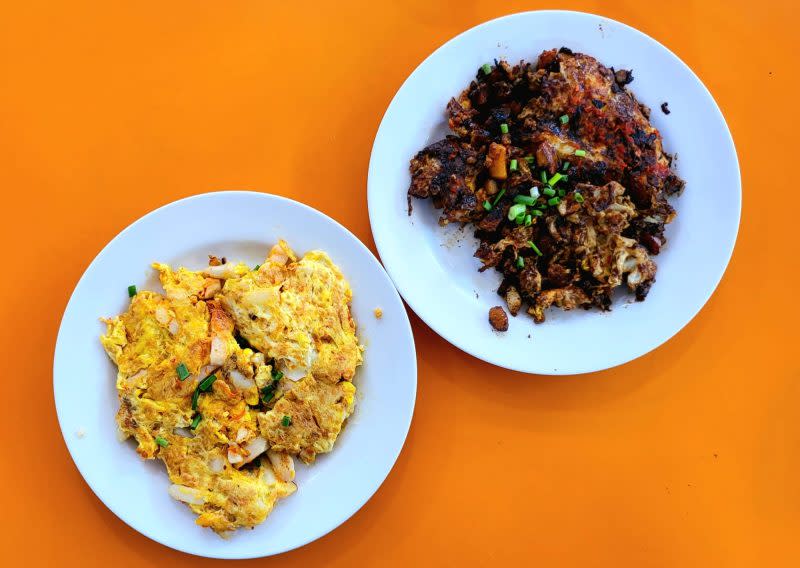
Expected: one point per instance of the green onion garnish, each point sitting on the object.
(183, 372)
(537, 212)
(486, 68)
(529, 159)
(554, 201)
(196, 420)
(549, 191)
(520, 262)
(555, 179)
(578, 197)
(543, 175)
(286, 421)
(504, 128)
(487, 205)
(207, 382)
(565, 178)
(500, 194)
(256, 267)
(515, 210)
(513, 165)
(524, 199)
(562, 192)
(131, 291)
(268, 392)
(580, 153)
(563, 118)
(565, 167)
(528, 220)
(535, 248)
(195, 398)
(161, 442)
(535, 192)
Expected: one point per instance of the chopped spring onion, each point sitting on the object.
(562, 192)
(162, 442)
(515, 210)
(486, 68)
(513, 165)
(183, 372)
(286, 421)
(555, 179)
(535, 248)
(268, 392)
(549, 191)
(500, 194)
(524, 199)
(537, 212)
(504, 128)
(131, 291)
(565, 167)
(578, 197)
(207, 382)
(554, 201)
(535, 192)
(580, 153)
(195, 398)
(196, 420)
(529, 159)
(563, 118)
(487, 205)
(256, 267)
(528, 220)
(520, 262)
(565, 178)
(520, 219)
(543, 175)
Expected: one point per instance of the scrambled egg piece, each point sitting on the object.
(317, 411)
(297, 312)
(148, 343)
(201, 378)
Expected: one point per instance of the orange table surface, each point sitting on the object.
(688, 456)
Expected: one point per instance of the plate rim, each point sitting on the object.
(487, 356)
(405, 323)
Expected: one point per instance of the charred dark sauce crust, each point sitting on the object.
(589, 243)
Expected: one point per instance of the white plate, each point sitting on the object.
(240, 226)
(435, 270)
